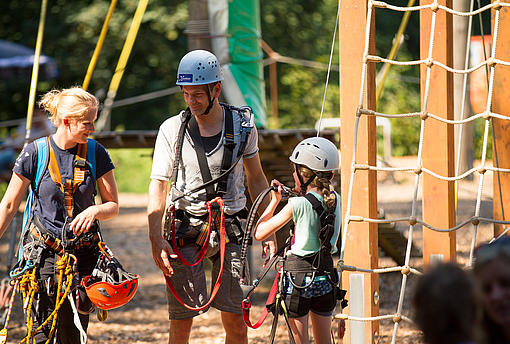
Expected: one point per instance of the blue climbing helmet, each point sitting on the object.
(198, 67)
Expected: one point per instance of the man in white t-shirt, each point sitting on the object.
(206, 140)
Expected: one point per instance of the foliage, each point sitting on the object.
(295, 28)
(71, 33)
(132, 169)
(301, 89)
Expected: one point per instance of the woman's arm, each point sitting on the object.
(106, 210)
(269, 224)
(16, 189)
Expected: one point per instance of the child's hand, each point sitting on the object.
(276, 193)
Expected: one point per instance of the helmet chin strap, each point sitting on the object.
(211, 102)
(303, 185)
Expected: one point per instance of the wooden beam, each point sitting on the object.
(501, 127)
(438, 146)
(273, 81)
(361, 246)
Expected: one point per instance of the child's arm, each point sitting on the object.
(269, 224)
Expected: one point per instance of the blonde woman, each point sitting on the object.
(73, 224)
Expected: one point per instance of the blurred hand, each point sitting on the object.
(268, 248)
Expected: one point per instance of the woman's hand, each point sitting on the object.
(83, 221)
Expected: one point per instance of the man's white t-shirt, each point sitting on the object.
(189, 176)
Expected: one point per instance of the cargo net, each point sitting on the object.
(490, 63)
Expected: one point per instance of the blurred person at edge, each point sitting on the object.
(492, 271)
(446, 304)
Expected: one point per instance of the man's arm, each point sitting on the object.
(257, 183)
(161, 249)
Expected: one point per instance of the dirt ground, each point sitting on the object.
(145, 318)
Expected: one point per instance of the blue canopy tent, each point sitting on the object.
(16, 62)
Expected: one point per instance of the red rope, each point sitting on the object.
(222, 259)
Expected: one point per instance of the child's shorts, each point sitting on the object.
(319, 298)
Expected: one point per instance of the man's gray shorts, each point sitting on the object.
(190, 282)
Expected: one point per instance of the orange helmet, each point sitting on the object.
(110, 286)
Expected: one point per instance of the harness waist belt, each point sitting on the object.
(40, 233)
(293, 263)
(188, 234)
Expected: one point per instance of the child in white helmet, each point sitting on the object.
(311, 281)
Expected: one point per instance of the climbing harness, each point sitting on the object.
(247, 286)
(24, 273)
(217, 284)
(229, 143)
(28, 285)
(216, 217)
(285, 267)
(42, 148)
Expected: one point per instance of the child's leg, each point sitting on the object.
(321, 327)
(299, 328)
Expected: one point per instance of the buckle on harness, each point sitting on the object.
(80, 163)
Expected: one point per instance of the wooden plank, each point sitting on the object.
(438, 147)
(361, 249)
(501, 127)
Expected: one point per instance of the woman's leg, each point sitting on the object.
(299, 328)
(321, 327)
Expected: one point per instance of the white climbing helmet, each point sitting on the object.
(198, 67)
(316, 153)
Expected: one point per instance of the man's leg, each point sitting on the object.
(235, 328)
(180, 331)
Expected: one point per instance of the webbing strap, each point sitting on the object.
(227, 165)
(228, 150)
(69, 186)
(178, 153)
(270, 298)
(326, 218)
(222, 260)
(194, 132)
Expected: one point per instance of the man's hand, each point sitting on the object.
(268, 247)
(162, 253)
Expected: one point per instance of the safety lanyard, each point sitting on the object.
(70, 185)
(217, 284)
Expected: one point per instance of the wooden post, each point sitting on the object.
(361, 248)
(501, 105)
(273, 81)
(273, 86)
(438, 146)
(465, 153)
(197, 28)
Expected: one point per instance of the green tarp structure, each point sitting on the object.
(235, 29)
